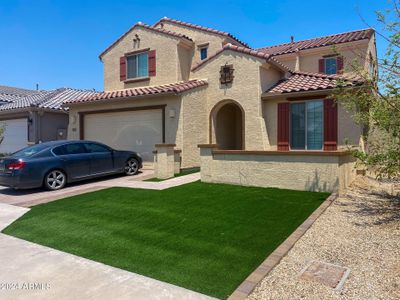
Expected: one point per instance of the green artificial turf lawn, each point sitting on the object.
(204, 237)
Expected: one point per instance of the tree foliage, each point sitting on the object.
(377, 104)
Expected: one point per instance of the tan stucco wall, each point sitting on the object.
(296, 172)
(309, 58)
(199, 37)
(347, 128)
(167, 70)
(246, 90)
(187, 128)
(173, 126)
(185, 55)
(194, 122)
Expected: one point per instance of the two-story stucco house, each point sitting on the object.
(183, 84)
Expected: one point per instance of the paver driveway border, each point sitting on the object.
(34, 198)
(60, 275)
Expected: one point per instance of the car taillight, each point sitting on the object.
(16, 166)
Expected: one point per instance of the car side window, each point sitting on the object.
(58, 150)
(96, 148)
(69, 149)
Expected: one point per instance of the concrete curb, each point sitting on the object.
(247, 286)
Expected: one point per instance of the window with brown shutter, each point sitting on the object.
(321, 66)
(339, 63)
(330, 64)
(283, 126)
(122, 68)
(330, 125)
(152, 63)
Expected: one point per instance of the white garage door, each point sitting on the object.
(15, 135)
(129, 130)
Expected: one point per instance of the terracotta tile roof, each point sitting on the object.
(173, 88)
(46, 99)
(148, 27)
(215, 31)
(302, 81)
(319, 42)
(243, 50)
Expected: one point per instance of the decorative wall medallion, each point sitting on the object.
(226, 74)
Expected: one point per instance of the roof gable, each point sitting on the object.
(244, 51)
(150, 28)
(201, 28)
(329, 40)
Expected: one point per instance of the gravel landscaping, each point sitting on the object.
(360, 231)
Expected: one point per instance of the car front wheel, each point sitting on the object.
(55, 180)
(131, 167)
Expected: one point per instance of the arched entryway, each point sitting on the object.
(229, 125)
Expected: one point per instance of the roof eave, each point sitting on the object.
(120, 98)
(32, 109)
(268, 95)
(137, 25)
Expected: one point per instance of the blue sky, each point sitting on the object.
(56, 43)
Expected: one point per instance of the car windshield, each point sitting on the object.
(29, 151)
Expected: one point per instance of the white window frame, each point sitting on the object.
(137, 65)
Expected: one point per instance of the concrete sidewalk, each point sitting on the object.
(31, 271)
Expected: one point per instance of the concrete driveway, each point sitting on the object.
(27, 198)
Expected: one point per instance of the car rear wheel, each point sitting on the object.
(55, 180)
(131, 167)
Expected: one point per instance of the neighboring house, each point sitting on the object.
(31, 117)
(179, 83)
(9, 94)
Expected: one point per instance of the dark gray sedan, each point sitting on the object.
(54, 164)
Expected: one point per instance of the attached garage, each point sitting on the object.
(15, 135)
(137, 129)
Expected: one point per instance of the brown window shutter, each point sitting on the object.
(321, 66)
(330, 125)
(152, 63)
(122, 68)
(339, 64)
(283, 126)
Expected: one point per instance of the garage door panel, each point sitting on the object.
(135, 130)
(15, 135)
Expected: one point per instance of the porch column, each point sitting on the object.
(164, 161)
(206, 160)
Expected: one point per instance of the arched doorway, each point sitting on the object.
(229, 128)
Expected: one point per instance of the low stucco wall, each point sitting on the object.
(318, 172)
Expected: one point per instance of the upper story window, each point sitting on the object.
(138, 65)
(203, 53)
(330, 65)
(307, 125)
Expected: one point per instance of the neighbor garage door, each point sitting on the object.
(15, 135)
(137, 130)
